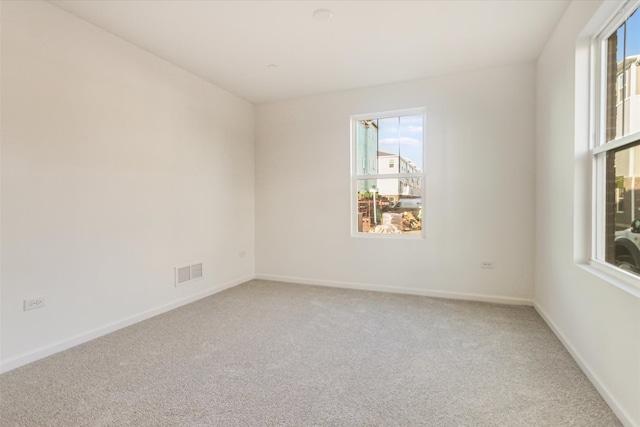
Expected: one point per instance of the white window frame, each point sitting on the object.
(599, 148)
(355, 177)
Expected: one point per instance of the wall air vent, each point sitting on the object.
(196, 271)
(188, 273)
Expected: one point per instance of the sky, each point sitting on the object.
(633, 36)
(403, 136)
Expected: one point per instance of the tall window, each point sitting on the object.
(387, 187)
(617, 147)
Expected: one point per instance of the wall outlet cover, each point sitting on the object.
(33, 303)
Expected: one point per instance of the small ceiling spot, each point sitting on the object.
(322, 14)
(272, 66)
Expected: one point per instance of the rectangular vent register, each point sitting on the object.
(188, 273)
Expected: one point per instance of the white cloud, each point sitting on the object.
(411, 119)
(403, 141)
(388, 130)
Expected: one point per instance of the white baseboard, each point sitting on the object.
(613, 403)
(407, 291)
(43, 352)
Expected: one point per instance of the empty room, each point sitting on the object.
(331, 213)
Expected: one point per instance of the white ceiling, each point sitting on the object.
(366, 43)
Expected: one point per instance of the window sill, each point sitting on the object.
(627, 282)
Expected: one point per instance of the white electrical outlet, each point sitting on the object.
(486, 264)
(33, 303)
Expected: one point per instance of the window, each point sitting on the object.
(617, 145)
(387, 178)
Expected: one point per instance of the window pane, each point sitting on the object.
(632, 75)
(623, 79)
(390, 205)
(400, 145)
(388, 147)
(410, 142)
(623, 208)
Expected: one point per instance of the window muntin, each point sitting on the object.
(617, 152)
(387, 173)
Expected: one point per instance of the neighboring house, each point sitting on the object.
(367, 147)
(628, 96)
(627, 162)
(397, 188)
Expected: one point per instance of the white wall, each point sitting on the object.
(116, 167)
(598, 322)
(480, 130)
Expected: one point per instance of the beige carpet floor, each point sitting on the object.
(275, 354)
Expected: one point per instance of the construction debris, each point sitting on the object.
(391, 224)
(409, 222)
